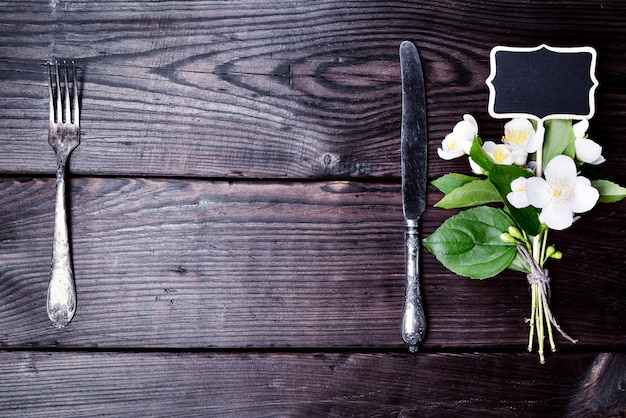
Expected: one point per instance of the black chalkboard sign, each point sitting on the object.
(542, 83)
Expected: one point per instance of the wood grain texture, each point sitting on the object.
(316, 384)
(188, 263)
(603, 393)
(236, 218)
(276, 90)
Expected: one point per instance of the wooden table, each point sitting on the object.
(236, 216)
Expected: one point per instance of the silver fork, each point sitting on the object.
(64, 136)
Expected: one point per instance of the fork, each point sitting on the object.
(63, 136)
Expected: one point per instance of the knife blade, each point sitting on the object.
(414, 182)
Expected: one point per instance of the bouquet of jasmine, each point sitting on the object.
(521, 189)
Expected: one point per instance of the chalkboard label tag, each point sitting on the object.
(542, 83)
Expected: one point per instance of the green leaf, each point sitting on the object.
(474, 193)
(520, 264)
(501, 176)
(451, 181)
(609, 192)
(469, 243)
(478, 155)
(559, 139)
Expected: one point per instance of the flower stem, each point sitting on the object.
(550, 335)
(533, 310)
(540, 132)
(540, 324)
(544, 245)
(539, 298)
(541, 317)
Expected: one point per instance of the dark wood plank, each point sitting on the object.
(324, 384)
(602, 392)
(188, 263)
(282, 297)
(272, 89)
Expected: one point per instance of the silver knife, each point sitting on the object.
(414, 183)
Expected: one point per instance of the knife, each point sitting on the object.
(414, 182)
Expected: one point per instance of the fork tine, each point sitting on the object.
(59, 107)
(68, 114)
(75, 93)
(50, 91)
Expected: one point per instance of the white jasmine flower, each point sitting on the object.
(587, 150)
(459, 141)
(518, 197)
(561, 194)
(450, 148)
(499, 153)
(519, 134)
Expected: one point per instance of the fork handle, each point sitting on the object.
(61, 302)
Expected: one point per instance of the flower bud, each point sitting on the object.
(550, 251)
(515, 232)
(557, 255)
(506, 237)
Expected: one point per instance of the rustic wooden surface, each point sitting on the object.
(236, 218)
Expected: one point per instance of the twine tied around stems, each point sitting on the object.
(541, 278)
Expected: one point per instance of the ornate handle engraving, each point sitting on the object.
(413, 316)
(61, 302)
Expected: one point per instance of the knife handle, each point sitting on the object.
(413, 317)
